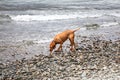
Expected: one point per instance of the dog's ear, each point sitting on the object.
(52, 44)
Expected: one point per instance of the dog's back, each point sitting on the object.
(65, 34)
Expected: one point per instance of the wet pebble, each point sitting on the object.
(95, 57)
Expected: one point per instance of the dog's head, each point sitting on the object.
(52, 46)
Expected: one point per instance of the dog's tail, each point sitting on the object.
(76, 30)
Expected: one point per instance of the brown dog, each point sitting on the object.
(61, 38)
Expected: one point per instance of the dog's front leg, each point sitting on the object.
(59, 48)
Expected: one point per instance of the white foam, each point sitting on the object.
(109, 24)
(51, 17)
(115, 14)
(42, 41)
(110, 1)
(83, 29)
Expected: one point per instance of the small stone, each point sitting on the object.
(45, 73)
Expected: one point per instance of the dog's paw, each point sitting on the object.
(50, 56)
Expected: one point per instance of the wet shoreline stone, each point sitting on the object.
(94, 60)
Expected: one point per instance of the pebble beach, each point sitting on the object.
(95, 60)
(28, 26)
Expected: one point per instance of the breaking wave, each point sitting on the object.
(50, 17)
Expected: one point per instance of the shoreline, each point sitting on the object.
(12, 51)
(93, 59)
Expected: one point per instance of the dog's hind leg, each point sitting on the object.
(71, 38)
